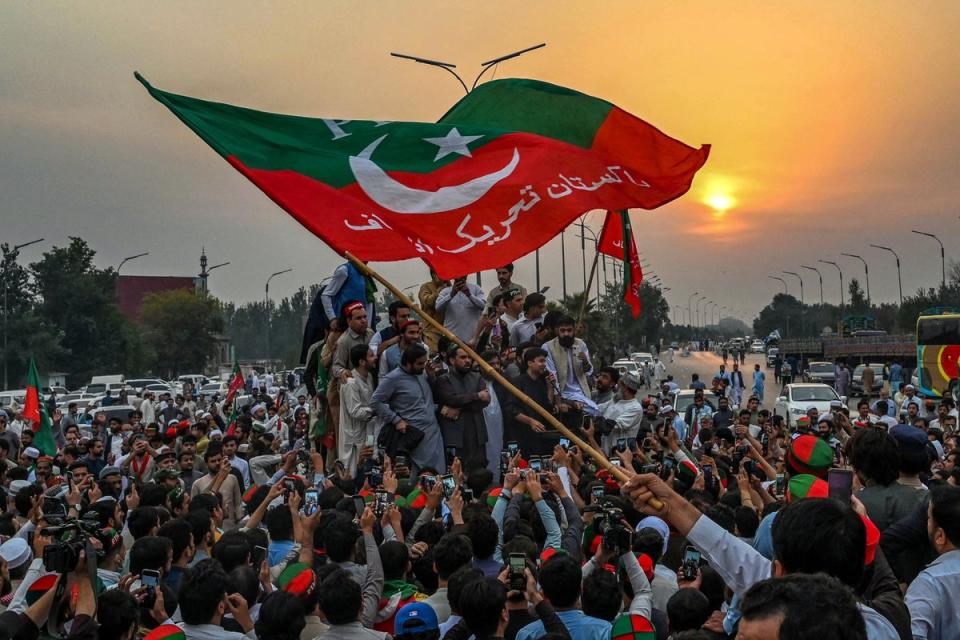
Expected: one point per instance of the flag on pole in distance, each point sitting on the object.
(502, 172)
(616, 227)
(36, 414)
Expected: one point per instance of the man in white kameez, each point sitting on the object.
(568, 359)
(358, 420)
(627, 412)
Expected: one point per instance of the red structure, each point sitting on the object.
(132, 289)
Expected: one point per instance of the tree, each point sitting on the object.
(27, 331)
(80, 303)
(247, 326)
(858, 299)
(181, 327)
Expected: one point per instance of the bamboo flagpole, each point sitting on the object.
(601, 459)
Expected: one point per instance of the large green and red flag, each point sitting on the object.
(507, 168)
(616, 227)
(36, 414)
(235, 385)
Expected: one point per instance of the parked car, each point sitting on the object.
(10, 396)
(756, 346)
(772, 354)
(121, 411)
(625, 365)
(140, 383)
(684, 398)
(641, 357)
(795, 399)
(214, 388)
(823, 372)
(159, 388)
(856, 380)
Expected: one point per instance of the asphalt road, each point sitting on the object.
(707, 364)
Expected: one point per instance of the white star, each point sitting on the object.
(453, 142)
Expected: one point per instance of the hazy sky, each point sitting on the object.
(834, 125)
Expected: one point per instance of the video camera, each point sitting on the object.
(72, 536)
(608, 522)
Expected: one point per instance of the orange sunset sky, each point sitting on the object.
(834, 125)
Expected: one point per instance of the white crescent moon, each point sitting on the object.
(397, 197)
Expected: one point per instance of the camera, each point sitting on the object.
(608, 521)
(62, 555)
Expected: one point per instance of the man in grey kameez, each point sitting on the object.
(404, 398)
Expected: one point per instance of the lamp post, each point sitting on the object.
(841, 280)
(128, 258)
(866, 273)
(706, 323)
(798, 277)
(563, 259)
(13, 254)
(819, 275)
(596, 244)
(583, 253)
(899, 279)
(943, 254)
(489, 64)
(782, 281)
(690, 306)
(699, 300)
(204, 272)
(266, 304)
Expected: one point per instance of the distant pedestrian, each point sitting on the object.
(759, 377)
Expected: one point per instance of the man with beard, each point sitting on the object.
(138, 465)
(410, 332)
(626, 413)
(493, 414)
(357, 416)
(505, 283)
(525, 425)
(568, 359)
(219, 480)
(404, 399)
(461, 304)
(723, 416)
(399, 313)
(606, 384)
(462, 396)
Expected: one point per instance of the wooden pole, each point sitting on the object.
(601, 459)
(586, 293)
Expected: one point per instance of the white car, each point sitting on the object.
(641, 357)
(795, 399)
(626, 365)
(756, 346)
(772, 354)
(211, 388)
(684, 398)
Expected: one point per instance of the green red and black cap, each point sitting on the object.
(40, 586)
(249, 493)
(809, 454)
(805, 485)
(166, 632)
(632, 627)
(298, 579)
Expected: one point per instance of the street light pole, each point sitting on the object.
(782, 281)
(13, 254)
(583, 254)
(266, 304)
(794, 273)
(866, 273)
(803, 266)
(690, 306)
(841, 280)
(943, 254)
(899, 278)
(563, 259)
(129, 258)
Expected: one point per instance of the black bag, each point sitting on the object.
(393, 441)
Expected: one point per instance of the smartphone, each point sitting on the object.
(517, 575)
(340, 467)
(310, 499)
(535, 464)
(467, 494)
(451, 454)
(401, 461)
(381, 502)
(649, 468)
(690, 554)
(616, 462)
(621, 445)
(513, 447)
(69, 475)
(449, 485)
(632, 444)
(565, 443)
(840, 484)
(597, 492)
(585, 422)
(691, 563)
(359, 506)
(428, 482)
(781, 484)
(150, 578)
(371, 440)
(504, 461)
(707, 475)
(376, 477)
(257, 557)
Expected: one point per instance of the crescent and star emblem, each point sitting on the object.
(398, 197)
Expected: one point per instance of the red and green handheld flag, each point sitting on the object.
(615, 229)
(36, 413)
(501, 173)
(236, 384)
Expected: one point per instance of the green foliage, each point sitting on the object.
(247, 326)
(79, 302)
(180, 328)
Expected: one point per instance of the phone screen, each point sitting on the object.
(258, 556)
(449, 485)
(512, 448)
(691, 555)
(310, 499)
(621, 444)
(840, 484)
(518, 562)
(149, 577)
(565, 443)
(535, 464)
(358, 506)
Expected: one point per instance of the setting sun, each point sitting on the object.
(720, 202)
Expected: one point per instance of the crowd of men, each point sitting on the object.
(409, 494)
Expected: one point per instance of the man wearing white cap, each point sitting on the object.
(626, 412)
(670, 417)
(29, 457)
(909, 397)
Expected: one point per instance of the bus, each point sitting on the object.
(938, 349)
